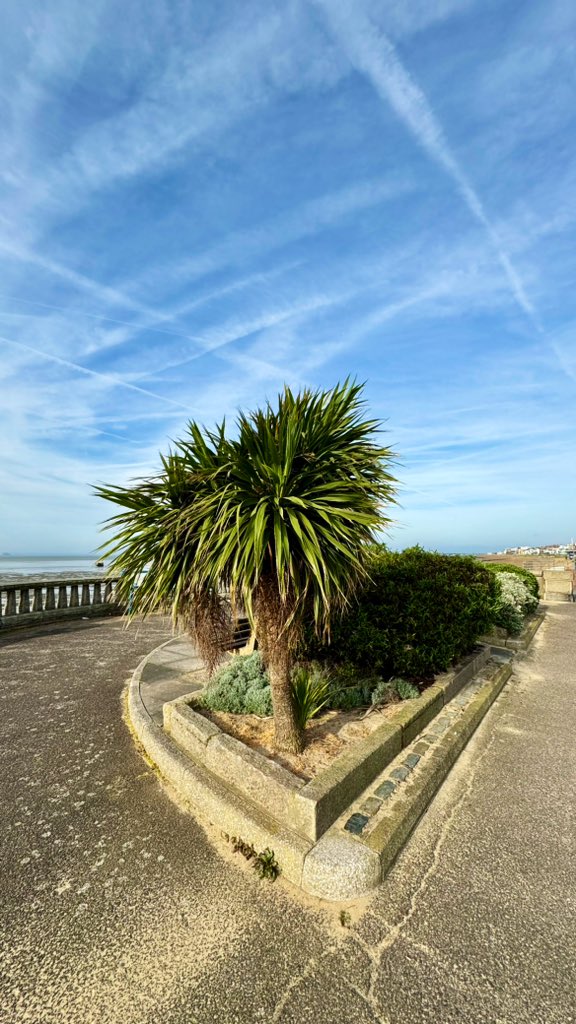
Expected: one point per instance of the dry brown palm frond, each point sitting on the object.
(207, 617)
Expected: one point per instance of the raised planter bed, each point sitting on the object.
(336, 835)
(311, 807)
(501, 639)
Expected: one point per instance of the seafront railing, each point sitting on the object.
(25, 603)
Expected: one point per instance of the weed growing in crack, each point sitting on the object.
(265, 862)
(345, 919)
(240, 846)
(266, 865)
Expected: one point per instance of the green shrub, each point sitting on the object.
(514, 602)
(418, 613)
(515, 592)
(240, 687)
(527, 577)
(310, 690)
(350, 688)
(406, 690)
(509, 618)
(393, 690)
(384, 693)
(258, 701)
(347, 699)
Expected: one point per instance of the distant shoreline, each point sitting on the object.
(35, 568)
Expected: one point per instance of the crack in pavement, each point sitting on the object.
(375, 952)
(294, 982)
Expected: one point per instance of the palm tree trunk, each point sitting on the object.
(275, 639)
(287, 733)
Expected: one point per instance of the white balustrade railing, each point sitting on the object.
(23, 603)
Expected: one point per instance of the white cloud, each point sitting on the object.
(403, 18)
(301, 221)
(105, 294)
(107, 378)
(201, 86)
(374, 55)
(332, 267)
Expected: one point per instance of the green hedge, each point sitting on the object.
(525, 575)
(419, 613)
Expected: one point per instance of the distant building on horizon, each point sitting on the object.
(568, 549)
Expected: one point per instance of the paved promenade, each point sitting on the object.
(115, 907)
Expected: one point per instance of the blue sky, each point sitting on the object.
(200, 202)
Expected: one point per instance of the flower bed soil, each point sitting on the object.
(326, 736)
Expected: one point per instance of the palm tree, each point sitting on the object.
(278, 517)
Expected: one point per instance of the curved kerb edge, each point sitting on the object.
(338, 866)
(335, 868)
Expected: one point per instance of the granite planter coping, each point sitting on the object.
(251, 773)
(501, 639)
(401, 817)
(251, 796)
(199, 789)
(311, 807)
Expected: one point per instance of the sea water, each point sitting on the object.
(14, 567)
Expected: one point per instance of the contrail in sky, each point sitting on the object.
(371, 52)
(116, 381)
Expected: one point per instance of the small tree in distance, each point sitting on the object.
(278, 517)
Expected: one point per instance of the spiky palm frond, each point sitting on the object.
(152, 548)
(278, 516)
(302, 495)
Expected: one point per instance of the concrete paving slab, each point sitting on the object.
(175, 671)
(117, 909)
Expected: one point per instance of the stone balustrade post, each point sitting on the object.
(23, 604)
